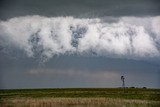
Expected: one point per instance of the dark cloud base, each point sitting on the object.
(76, 71)
(79, 8)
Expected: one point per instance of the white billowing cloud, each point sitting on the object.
(129, 37)
(156, 26)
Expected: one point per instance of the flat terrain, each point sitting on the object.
(81, 97)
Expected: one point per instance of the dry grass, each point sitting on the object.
(76, 102)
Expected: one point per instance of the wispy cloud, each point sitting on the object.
(87, 75)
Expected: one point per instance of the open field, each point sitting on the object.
(81, 97)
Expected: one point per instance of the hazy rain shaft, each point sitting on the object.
(49, 36)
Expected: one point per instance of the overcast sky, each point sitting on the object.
(79, 43)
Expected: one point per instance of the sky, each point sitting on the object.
(79, 43)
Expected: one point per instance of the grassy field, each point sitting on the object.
(81, 97)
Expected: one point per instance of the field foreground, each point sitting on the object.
(80, 97)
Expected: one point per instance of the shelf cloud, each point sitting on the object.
(44, 37)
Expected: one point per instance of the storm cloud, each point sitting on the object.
(44, 37)
(79, 43)
(79, 8)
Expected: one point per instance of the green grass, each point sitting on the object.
(137, 93)
(80, 97)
